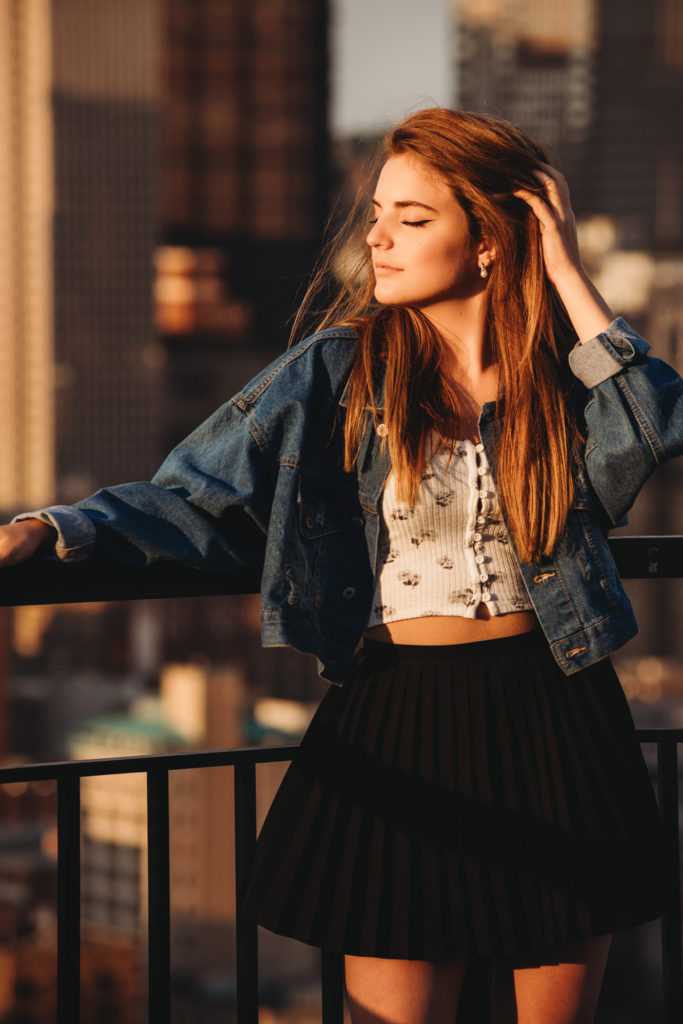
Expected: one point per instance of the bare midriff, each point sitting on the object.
(435, 630)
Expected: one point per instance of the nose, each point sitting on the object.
(378, 236)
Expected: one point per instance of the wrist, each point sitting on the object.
(43, 533)
(587, 310)
(571, 276)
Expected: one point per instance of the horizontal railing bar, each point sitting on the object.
(97, 579)
(202, 759)
(146, 762)
(648, 558)
(657, 735)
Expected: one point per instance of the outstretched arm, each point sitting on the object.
(207, 507)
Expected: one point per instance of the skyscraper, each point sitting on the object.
(26, 198)
(532, 62)
(79, 113)
(632, 170)
(244, 188)
(601, 83)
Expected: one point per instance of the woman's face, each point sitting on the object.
(423, 254)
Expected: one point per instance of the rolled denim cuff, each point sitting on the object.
(606, 354)
(75, 531)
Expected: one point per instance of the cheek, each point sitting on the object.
(449, 261)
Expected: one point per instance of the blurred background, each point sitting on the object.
(166, 170)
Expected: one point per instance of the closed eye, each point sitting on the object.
(416, 223)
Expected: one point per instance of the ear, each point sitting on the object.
(486, 251)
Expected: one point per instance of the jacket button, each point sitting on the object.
(348, 593)
(358, 521)
(543, 576)
(574, 651)
(308, 521)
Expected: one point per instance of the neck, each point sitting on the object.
(462, 325)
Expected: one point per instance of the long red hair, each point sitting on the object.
(484, 160)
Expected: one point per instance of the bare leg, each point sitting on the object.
(403, 991)
(563, 990)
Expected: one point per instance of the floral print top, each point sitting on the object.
(449, 552)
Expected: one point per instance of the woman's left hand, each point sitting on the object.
(556, 218)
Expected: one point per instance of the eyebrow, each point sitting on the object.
(401, 204)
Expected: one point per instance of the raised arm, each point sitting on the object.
(588, 311)
(634, 405)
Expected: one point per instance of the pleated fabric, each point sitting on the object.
(460, 801)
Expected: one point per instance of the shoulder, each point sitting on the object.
(320, 363)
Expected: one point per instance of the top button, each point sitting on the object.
(348, 593)
(479, 447)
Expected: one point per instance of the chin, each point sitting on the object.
(394, 297)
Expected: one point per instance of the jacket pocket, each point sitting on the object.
(591, 551)
(318, 513)
(318, 554)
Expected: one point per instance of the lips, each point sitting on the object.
(384, 268)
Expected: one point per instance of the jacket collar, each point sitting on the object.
(378, 403)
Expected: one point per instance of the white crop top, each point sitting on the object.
(451, 550)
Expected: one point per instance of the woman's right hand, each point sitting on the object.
(19, 541)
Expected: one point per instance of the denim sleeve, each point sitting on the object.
(633, 414)
(208, 505)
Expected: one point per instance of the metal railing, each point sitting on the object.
(156, 767)
(43, 583)
(67, 775)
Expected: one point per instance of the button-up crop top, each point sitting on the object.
(451, 551)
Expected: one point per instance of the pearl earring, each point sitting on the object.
(483, 272)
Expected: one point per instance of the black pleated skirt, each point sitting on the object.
(463, 800)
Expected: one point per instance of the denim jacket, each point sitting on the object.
(259, 484)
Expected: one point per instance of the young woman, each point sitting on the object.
(431, 476)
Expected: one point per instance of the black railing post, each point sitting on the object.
(68, 899)
(672, 966)
(246, 939)
(159, 919)
(332, 980)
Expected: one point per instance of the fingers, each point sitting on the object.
(555, 187)
(538, 205)
(19, 541)
(553, 204)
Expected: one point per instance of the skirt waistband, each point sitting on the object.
(498, 647)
